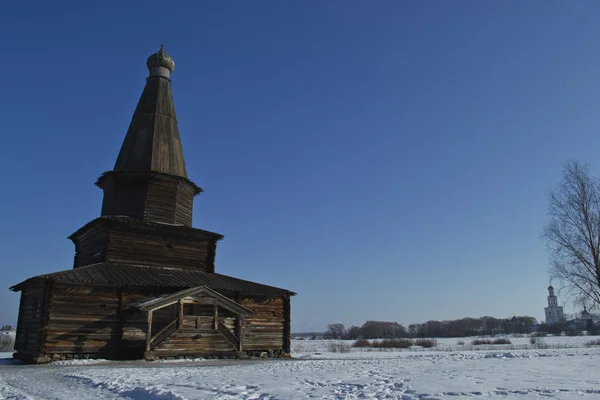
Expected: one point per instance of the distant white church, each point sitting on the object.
(554, 312)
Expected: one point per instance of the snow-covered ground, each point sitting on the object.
(303, 347)
(566, 370)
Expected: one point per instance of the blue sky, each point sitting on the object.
(385, 160)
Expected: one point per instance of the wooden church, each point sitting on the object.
(143, 283)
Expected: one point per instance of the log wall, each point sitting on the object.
(103, 322)
(184, 207)
(265, 330)
(170, 202)
(31, 318)
(149, 197)
(83, 320)
(135, 323)
(197, 335)
(195, 342)
(124, 196)
(90, 246)
(161, 201)
(159, 251)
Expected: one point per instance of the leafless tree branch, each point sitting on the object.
(573, 234)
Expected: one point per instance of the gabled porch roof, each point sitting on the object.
(222, 301)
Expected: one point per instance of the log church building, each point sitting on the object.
(143, 282)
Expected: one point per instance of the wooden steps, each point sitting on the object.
(195, 342)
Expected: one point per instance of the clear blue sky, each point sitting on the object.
(385, 160)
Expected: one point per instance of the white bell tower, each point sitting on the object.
(554, 312)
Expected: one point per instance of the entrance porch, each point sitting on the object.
(197, 322)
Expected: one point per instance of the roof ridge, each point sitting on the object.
(244, 280)
(149, 277)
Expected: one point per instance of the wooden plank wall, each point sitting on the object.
(135, 323)
(196, 337)
(90, 246)
(124, 196)
(150, 197)
(31, 316)
(210, 258)
(157, 251)
(82, 320)
(185, 204)
(87, 320)
(196, 342)
(169, 201)
(287, 325)
(161, 200)
(264, 330)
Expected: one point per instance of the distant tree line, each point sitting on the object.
(369, 330)
(568, 329)
(454, 328)
(473, 327)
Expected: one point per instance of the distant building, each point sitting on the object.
(585, 321)
(585, 315)
(554, 312)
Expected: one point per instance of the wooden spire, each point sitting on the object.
(152, 142)
(149, 181)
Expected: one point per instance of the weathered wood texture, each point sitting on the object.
(157, 251)
(209, 266)
(198, 337)
(170, 202)
(152, 141)
(82, 320)
(196, 334)
(287, 325)
(143, 245)
(90, 246)
(148, 196)
(265, 330)
(195, 342)
(124, 195)
(31, 318)
(228, 334)
(161, 335)
(135, 323)
(103, 322)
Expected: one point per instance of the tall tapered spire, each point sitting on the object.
(152, 142)
(149, 181)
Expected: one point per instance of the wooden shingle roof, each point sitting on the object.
(152, 142)
(157, 278)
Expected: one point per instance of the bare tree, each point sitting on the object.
(7, 342)
(573, 234)
(335, 331)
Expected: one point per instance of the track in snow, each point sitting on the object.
(557, 374)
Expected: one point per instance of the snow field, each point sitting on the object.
(558, 373)
(302, 348)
